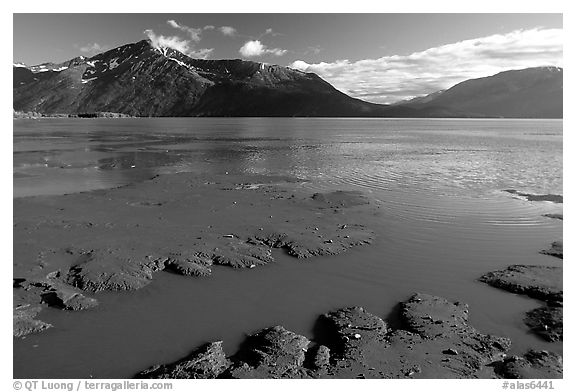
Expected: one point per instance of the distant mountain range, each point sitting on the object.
(526, 93)
(140, 80)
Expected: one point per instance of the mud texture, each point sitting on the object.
(547, 322)
(271, 353)
(209, 361)
(556, 250)
(66, 247)
(24, 321)
(539, 282)
(30, 296)
(533, 197)
(532, 365)
(555, 216)
(435, 341)
(340, 199)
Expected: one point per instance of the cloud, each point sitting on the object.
(313, 50)
(271, 32)
(208, 27)
(277, 51)
(200, 53)
(252, 48)
(177, 43)
(93, 48)
(174, 42)
(228, 30)
(303, 66)
(392, 78)
(256, 48)
(194, 33)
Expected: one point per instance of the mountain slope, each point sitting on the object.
(527, 93)
(140, 80)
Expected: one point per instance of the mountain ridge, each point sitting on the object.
(528, 92)
(138, 79)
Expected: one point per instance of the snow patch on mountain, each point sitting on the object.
(162, 49)
(180, 62)
(113, 63)
(84, 81)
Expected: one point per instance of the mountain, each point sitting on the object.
(418, 100)
(140, 80)
(527, 93)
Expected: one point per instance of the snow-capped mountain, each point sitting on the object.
(140, 80)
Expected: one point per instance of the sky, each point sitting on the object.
(377, 57)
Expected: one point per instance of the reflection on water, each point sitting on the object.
(438, 182)
(432, 156)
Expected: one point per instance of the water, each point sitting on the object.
(439, 157)
(439, 183)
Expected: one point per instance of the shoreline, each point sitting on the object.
(17, 115)
(435, 341)
(249, 215)
(78, 252)
(36, 115)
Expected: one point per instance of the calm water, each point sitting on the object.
(446, 221)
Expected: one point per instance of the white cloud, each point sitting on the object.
(194, 33)
(392, 78)
(271, 32)
(174, 42)
(200, 53)
(93, 48)
(252, 48)
(256, 48)
(301, 66)
(228, 30)
(177, 43)
(209, 27)
(277, 51)
(313, 50)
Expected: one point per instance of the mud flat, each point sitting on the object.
(435, 341)
(555, 216)
(28, 296)
(533, 197)
(66, 247)
(534, 364)
(556, 250)
(24, 321)
(540, 282)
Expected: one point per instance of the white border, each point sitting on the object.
(300, 6)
